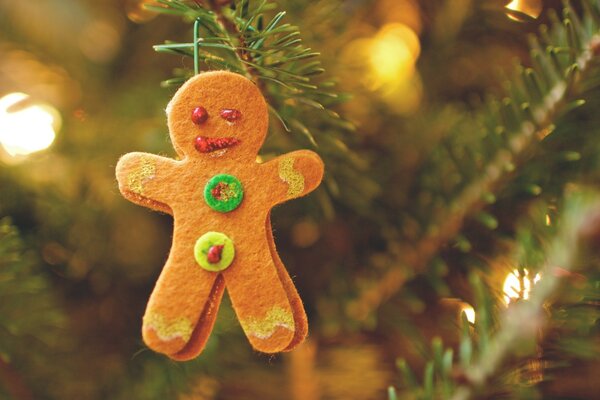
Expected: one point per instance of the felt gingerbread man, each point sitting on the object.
(220, 199)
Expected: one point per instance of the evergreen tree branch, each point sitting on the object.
(523, 321)
(30, 321)
(486, 352)
(511, 131)
(230, 28)
(271, 52)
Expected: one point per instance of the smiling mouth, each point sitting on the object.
(206, 144)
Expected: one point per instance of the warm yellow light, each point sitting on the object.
(136, 11)
(26, 128)
(469, 312)
(533, 8)
(393, 53)
(512, 289)
(390, 60)
(385, 64)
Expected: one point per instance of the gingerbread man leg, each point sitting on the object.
(183, 306)
(205, 324)
(260, 299)
(300, 320)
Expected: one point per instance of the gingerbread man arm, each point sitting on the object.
(147, 179)
(292, 175)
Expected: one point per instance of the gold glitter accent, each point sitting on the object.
(168, 330)
(143, 173)
(264, 328)
(289, 175)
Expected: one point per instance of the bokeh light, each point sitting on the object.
(305, 233)
(39, 77)
(532, 8)
(100, 40)
(137, 12)
(387, 62)
(394, 51)
(513, 290)
(26, 127)
(468, 311)
(406, 12)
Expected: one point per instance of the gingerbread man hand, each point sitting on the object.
(220, 199)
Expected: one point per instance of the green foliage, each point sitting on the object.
(482, 154)
(434, 216)
(504, 349)
(464, 169)
(31, 320)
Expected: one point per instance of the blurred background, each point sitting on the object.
(80, 85)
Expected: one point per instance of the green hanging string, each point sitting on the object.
(196, 46)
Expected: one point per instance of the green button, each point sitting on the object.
(223, 193)
(214, 251)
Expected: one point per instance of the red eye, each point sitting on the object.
(230, 115)
(199, 115)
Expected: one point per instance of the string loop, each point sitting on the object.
(196, 46)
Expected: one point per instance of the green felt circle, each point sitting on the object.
(205, 242)
(231, 191)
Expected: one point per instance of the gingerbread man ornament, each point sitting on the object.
(220, 199)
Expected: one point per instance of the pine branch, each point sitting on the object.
(270, 52)
(523, 320)
(242, 50)
(30, 321)
(511, 131)
(484, 352)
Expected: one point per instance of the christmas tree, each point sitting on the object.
(450, 253)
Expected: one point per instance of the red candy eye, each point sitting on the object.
(230, 115)
(199, 115)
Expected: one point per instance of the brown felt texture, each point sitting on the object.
(184, 303)
(204, 326)
(300, 320)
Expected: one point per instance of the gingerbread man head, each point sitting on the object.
(218, 115)
(220, 198)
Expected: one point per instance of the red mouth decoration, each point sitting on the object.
(207, 145)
